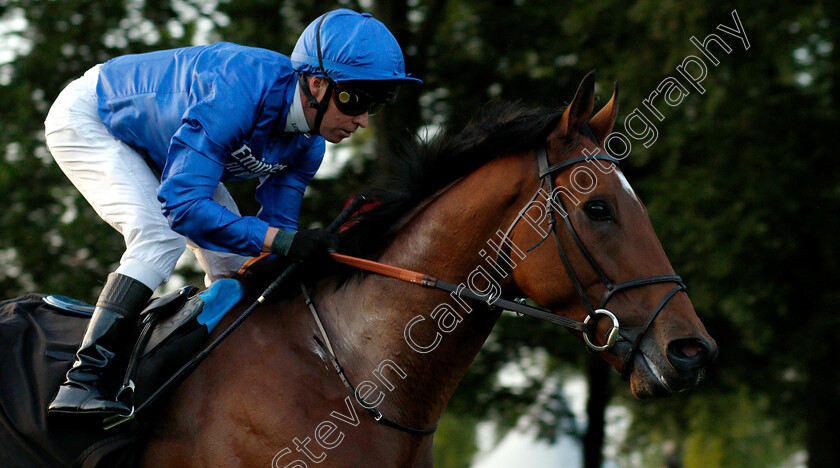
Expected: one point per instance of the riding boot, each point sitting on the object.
(107, 334)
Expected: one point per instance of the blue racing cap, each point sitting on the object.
(344, 45)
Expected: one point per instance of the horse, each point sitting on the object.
(270, 394)
(354, 368)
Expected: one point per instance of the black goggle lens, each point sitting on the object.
(355, 102)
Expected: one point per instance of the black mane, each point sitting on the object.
(422, 169)
(500, 128)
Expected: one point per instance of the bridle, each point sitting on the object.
(547, 173)
(586, 327)
(617, 333)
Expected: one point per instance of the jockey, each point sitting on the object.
(148, 140)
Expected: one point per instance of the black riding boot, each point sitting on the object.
(118, 306)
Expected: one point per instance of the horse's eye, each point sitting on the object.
(598, 211)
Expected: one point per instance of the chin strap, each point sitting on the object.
(325, 102)
(314, 103)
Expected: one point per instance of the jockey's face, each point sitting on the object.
(335, 125)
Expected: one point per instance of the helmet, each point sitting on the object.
(344, 45)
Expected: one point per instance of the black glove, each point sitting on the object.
(312, 245)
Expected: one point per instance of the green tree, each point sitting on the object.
(737, 186)
(741, 184)
(50, 238)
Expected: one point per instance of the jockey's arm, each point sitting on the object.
(269, 238)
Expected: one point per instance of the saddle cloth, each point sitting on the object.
(39, 336)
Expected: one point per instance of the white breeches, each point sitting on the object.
(115, 179)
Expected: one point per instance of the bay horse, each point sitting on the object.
(270, 395)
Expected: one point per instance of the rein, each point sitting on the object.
(429, 281)
(546, 172)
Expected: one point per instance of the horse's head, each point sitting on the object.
(594, 255)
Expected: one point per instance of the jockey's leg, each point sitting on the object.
(122, 189)
(113, 321)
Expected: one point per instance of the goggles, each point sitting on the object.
(354, 101)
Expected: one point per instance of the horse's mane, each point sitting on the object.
(423, 168)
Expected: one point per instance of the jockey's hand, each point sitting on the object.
(312, 245)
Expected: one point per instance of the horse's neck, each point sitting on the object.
(412, 343)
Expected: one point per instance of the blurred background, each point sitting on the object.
(741, 184)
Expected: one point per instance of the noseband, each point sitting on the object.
(546, 174)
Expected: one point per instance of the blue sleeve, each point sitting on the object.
(280, 195)
(195, 165)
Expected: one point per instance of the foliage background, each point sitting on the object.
(742, 187)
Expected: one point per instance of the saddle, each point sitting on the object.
(39, 335)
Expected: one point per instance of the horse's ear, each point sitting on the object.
(579, 110)
(604, 120)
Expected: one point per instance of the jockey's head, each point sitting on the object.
(358, 57)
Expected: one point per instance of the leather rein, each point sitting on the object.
(546, 174)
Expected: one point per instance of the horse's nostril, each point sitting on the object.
(688, 354)
(690, 349)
